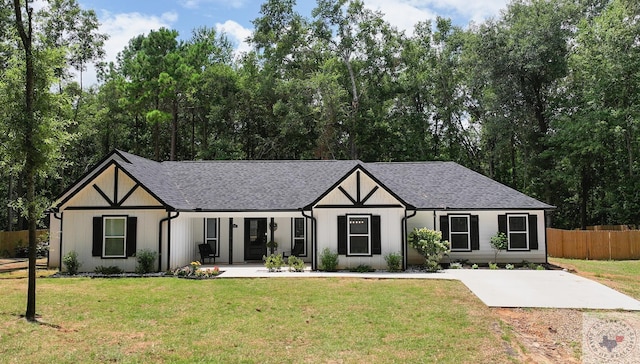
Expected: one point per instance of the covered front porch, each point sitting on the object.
(237, 237)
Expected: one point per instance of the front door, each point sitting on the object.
(255, 239)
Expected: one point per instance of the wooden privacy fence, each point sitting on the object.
(594, 245)
(9, 240)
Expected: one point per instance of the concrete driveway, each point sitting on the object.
(496, 288)
(548, 288)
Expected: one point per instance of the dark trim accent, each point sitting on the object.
(448, 236)
(358, 187)
(343, 234)
(116, 172)
(314, 238)
(293, 236)
(546, 250)
(104, 195)
(347, 242)
(60, 237)
(405, 240)
(231, 227)
(272, 233)
(85, 208)
(126, 196)
(90, 170)
(468, 209)
(359, 205)
(348, 195)
(358, 167)
(92, 177)
(368, 196)
(506, 219)
(239, 210)
(168, 218)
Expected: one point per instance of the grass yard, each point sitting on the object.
(622, 275)
(275, 320)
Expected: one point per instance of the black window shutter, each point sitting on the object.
(475, 233)
(376, 243)
(97, 236)
(444, 227)
(502, 224)
(533, 232)
(342, 235)
(132, 221)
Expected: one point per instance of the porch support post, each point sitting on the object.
(231, 240)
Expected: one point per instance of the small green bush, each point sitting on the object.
(474, 266)
(112, 269)
(509, 266)
(493, 265)
(295, 264)
(394, 261)
(328, 261)
(70, 261)
(362, 268)
(145, 259)
(499, 242)
(455, 265)
(273, 262)
(540, 267)
(430, 245)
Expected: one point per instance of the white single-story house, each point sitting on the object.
(362, 211)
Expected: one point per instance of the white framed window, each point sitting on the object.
(211, 233)
(459, 232)
(299, 237)
(358, 235)
(114, 237)
(518, 232)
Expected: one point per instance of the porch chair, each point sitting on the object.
(206, 253)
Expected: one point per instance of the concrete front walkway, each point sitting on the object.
(496, 288)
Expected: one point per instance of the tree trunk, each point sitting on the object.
(30, 162)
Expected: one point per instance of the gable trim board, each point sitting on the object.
(392, 198)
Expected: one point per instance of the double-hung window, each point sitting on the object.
(298, 238)
(359, 235)
(211, 234)
(518, 232)
(459, 232)
(115, 237)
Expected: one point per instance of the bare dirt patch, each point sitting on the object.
(545, 335)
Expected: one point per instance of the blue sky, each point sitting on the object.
(124, 19)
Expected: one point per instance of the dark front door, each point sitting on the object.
(255, 239)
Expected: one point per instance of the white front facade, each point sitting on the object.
(358, 217)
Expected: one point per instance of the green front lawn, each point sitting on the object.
(622, 275)
(274, 320)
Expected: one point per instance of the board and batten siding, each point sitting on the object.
(77, 227)
(390, 234)
(488, 226)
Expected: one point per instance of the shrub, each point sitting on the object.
(509, 266)
(499, 242)
(328, 261)
(295, 264)
(362, 268)
(145, 259)
(112, 269)
(540, 267)
(493, 265)
(70, 261)
(273, 262)
(474, 266)
(394, 261)
(430, 245)
(455, 266)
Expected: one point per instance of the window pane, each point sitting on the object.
(518, 240)
(212, 228)
(298, 227)
(114, 227)
(359, 245)
(517, 223)
(114, 246)
(459, 224)
(358, 225)
(459, 241)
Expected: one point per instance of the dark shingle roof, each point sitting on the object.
(289, 185)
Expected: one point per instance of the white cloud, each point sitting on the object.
(195, 4)
(402, 14)
(237, 34)
(121, 28)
